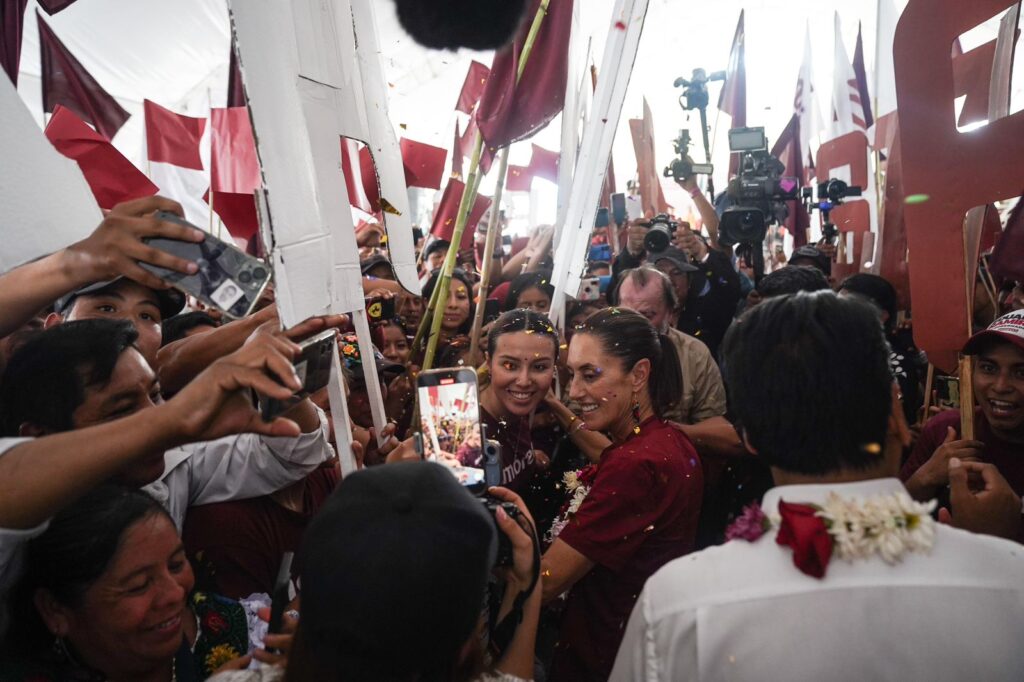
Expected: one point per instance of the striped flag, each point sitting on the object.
(847, 108)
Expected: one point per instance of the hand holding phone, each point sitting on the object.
(449, 406)
(312, 367)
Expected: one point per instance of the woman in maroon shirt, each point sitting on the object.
(642, 508)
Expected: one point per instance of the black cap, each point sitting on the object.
(813, 254)
(395, 568)
(373, 261)
(436, 245)
(677, 256)
(170, 301)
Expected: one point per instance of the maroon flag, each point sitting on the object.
(51, 7)
(172, 138)
(368, 175)
(472, 87)
(424, 163)
(862, 79)
(787, 149)
(237, 211)
(457, 153)
(66, 82)
(236, 88)
(1007, 259)
(509, 111)
(12, 20)
(443, 226)
(519, 179)
(353, 172)
(544, 163)
(234, 166)
(733, 99)
(111, 177)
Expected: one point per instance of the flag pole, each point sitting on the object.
(439, 297)
(489, 244)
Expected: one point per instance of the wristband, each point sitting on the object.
(694, 192)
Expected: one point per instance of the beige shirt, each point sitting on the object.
(703, 392)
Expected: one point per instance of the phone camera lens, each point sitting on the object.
(244, 277)
(259, 273)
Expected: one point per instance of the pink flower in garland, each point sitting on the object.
(750, 525)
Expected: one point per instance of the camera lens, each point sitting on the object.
(259, 273)
(657, 239)
(244, 277)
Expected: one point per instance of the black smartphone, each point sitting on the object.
(228, 279)
(313, 367)
(492, 310)
(280, 598)
(379, 309)
(601, 252)
(619, 208)
(601, 220)
(449, 406)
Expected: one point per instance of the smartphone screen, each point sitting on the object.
(619, 208)
(450, 422)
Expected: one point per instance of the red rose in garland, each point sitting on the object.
(214, 623)
(806, 533)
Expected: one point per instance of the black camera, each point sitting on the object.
(492, 504)
(696, 88)
(659, 234)
(831, 193)
(683, 168)
(742, 225)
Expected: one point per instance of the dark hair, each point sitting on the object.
(462, 276)
(878, 290)
(521, 320)
(809, 381)
(792, 279)
(436, 245)
(574, 308)
(642, 276)
(451, 24)
(177, 327)
(629, 336)
(528, 280)
(74, 552)
(45, 380)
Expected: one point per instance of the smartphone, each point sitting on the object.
(947, 392)
(228, 279)
(590, 289)
(619, 208)
(449, 406)
(634, 210)
(313, 367)
(601, 252)
(280, 598)
(379, 309)
(492, 310)
(602, 218)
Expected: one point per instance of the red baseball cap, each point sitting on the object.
(1009, 327)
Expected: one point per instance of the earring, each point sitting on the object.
(60, 649)
(636, 414)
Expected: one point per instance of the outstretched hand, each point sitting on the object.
(982, 501)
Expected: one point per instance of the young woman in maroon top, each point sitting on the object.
(642, 508)
(522, 347)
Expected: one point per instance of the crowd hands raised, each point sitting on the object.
(145, 504)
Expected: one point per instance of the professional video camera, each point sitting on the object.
(831, 194)
(759, 190)
(683, 168)
(696, 88)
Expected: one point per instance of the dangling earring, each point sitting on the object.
(636, 414)
(60, 649)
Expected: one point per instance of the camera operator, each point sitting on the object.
(706, 284)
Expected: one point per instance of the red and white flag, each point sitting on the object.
(847, 108)
(173, 148)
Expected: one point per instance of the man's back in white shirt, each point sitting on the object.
(743, 611)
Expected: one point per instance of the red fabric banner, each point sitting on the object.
(234, 166)
(519, 179)
(443, 226)
(733, 99)
(66, 83)
(424, 163)
(111, 177)
(788, 150)
(472, 87)
(237, 211)
(508, 111)
(172, 138)
(12, 22)
(652, 197)
(544, 163)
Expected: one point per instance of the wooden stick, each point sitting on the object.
(485, 273)
(966, 397)
(929, 384)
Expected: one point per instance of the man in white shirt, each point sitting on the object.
(810, 384)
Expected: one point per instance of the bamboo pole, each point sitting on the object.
(489, 244)
(439, 298)
(966, 361)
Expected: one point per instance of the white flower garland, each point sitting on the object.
(570, 479)
(888, 525)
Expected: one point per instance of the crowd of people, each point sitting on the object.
(644, 450)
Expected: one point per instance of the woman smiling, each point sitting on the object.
(644, 498)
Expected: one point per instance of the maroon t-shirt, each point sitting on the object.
(1008, 457)
(641, 512)
(518, 463)
(236, 547)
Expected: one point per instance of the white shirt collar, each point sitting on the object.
(818, 493)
